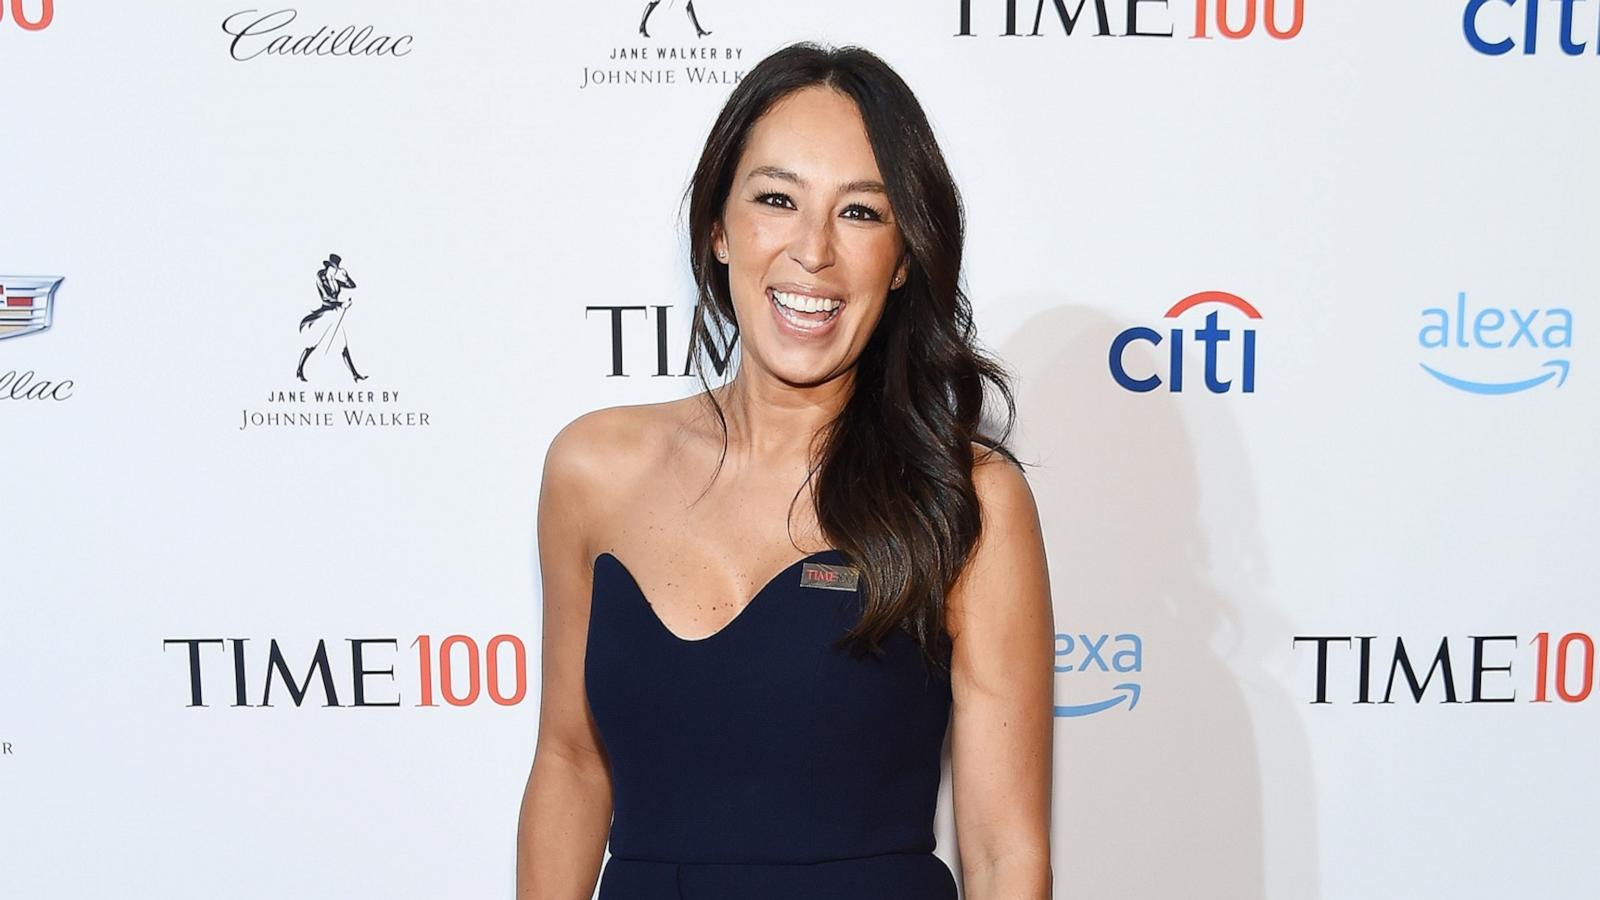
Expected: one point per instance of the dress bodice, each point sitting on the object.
(761, 751)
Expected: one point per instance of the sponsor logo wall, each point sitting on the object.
(1296, 293)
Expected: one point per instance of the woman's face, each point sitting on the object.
(807, 223)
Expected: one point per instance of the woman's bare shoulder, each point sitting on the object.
(1008, 559)
(597, 455)
(588, 450)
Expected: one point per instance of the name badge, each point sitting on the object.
(829, 577)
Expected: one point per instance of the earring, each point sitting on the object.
(722, 255)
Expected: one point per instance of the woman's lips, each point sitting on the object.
(806, 326)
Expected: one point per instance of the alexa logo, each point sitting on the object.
(1107, 666)
(1496, 350)
(1211, 334)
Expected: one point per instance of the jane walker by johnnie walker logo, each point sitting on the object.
(325, 343)
(696, 61)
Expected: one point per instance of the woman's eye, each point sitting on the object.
(865, 213)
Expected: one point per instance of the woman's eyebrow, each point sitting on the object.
(863, 185)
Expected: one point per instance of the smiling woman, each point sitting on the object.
(735, 721)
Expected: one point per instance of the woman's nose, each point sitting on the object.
(812, 246)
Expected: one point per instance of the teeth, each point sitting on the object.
(804, 303)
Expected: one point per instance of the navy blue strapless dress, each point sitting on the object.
(759, 763)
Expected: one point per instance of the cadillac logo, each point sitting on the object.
(26, 304)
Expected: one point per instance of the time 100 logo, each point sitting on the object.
(1231, 19)
(456, 672)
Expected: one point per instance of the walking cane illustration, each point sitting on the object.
(338, 323)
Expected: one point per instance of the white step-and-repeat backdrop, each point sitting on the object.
(1297, 295)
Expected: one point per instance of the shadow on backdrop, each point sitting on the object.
(1169, 798)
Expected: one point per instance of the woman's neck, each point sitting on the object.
(768, 418)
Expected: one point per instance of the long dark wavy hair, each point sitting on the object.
(893, 470)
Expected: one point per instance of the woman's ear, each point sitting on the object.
(901, 272)
(719, 244)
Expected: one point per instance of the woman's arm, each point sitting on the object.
(1003, 625)
(566, 806)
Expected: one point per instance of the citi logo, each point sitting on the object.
(1456, 348)
(1123, 659)
(19, 14)
(1212, 336)
(1495, 32)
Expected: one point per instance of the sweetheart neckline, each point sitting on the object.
(762, 591)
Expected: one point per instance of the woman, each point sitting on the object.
(744, 735)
